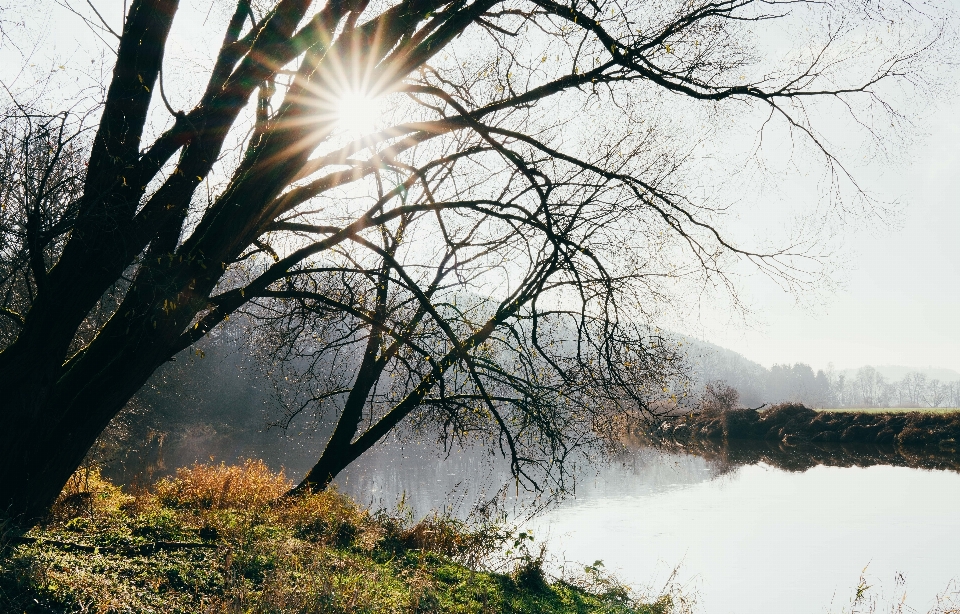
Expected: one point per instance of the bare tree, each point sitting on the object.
(719, 397)
(914, 387)
(41, 179)
(936, 393)
(870, 386)
(953, 394)
(888, 392)
(490, 271)
(841, 391)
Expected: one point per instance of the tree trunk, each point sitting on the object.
(36, 464)
(332, 462)
(48, 430)
(52, 406)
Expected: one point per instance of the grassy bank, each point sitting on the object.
(892, 410)
(214, 540)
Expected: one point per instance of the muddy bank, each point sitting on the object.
(793, 425)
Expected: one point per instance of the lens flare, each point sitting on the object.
(357, 112)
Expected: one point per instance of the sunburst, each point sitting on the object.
(357, 112)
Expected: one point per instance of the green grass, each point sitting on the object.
(893, 410)
(212, 540)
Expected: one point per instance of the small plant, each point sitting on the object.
(528, 572)
(88, 494)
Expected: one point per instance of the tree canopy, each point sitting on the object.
(486, 252)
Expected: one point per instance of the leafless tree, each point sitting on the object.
(870, 386)
(953, 394)
(41, 178)
(480, 264)
(841, 390)
(914, 386)
(888, 392)
(936, 393)
(719, 397)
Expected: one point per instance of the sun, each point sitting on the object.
(357, 112)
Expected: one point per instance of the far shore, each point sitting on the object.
(795, 424)
(891, 410)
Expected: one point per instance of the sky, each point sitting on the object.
(898, 292)
(898, 301)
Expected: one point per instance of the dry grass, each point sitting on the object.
(249, 485)
(88, 494)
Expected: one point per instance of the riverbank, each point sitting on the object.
(214, 540)
(794, 424)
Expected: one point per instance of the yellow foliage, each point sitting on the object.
(87, 493)
(251, 484)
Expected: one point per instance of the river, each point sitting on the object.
(743, 539)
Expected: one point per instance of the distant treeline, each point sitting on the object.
(799, 383)
(868, 388)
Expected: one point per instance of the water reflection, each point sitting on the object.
(807, 455)
(753, 528)
(466, 479)
(427, 479)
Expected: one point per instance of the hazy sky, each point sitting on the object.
(900, 301)
(901, 292)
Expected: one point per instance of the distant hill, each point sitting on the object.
(710, 362)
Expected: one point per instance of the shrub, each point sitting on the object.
(251, 484)
(719, 397)
(88, 494)
(331, 518)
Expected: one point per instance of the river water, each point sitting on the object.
(737, 539)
